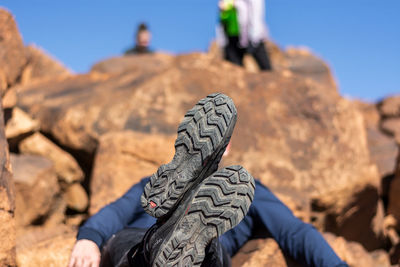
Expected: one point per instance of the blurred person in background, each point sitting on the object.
(243, 30)
(142, 41)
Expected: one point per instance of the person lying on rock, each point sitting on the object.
(189, 213)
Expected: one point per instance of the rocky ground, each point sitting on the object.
(70, 144)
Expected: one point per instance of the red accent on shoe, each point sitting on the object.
(187, 209)
(152, 204)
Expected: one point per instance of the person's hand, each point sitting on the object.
(85, 254)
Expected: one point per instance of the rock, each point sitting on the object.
(12, 53)
(144, 63)
(36, 187)
(261, 252)
(354, 254)
(45, 246)
(296, 201)
(390, 107)
(266, 252)
(392, 126)
(20, 124)
(394, 194)
(367, 212)
(7, 201)
(291, 132)
(383, 150)
(76, 197)
(56, 214)
(302, 61)
(123, 159)
(9, 99)
(65, 165)
(41, 66)
(370, 113)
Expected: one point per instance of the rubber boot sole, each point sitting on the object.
(202, 139)
(213, 207)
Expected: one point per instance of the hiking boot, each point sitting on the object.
(213, 207)
(202, 139)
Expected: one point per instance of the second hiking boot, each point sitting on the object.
(202, 138)
(213, 207)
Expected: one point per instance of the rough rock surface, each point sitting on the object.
(394, 195)
(20, 124)
(41, 66)
(291, 132)
(390, 107)
(76, 197)
(7, 202)
(301, 61)
(36, 187)
(266, 252)
(65, 165)
(392, 127)
(45, 246)
(12, 51)
(383, 148)
(383, 151)
(146, 63)
(124, 158)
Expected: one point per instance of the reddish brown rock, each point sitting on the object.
(394, 195)
(291, 132)
(392, 127)
(9, 99)
(383, 150)
(7, 202)
(65, 165)
(122, 160)
(39, 246)
(143, 63)
(41, 66)
(354, 254)
(390, 107)
(302, 62)
(19, 126)
(36, 187)
(76, 197)
(266, 252)
(12, 52)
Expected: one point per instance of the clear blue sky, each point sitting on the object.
(360, 39)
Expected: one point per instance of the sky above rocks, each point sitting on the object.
(360, 39)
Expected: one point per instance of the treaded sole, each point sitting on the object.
(202, 138)
(215, 206)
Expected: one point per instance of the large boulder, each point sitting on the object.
(19, 126)
(390, 107)
(394, 195)
(7, 202)
(41, 66)
(50, 246)
(301, 61)
(76, 197)
(12, 51)
(144, 63)
(36, 187)
(65, 165)
(124, 158)
(291, 132)
(266, 252)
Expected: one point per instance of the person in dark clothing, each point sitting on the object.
(199, 215)
(243, 31)
(142, 41)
